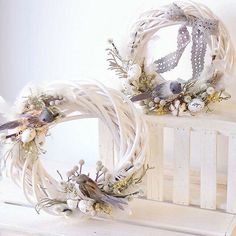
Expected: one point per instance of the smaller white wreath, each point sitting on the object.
(37, 110)
(144, 83)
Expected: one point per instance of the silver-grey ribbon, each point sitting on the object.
(202, 28)
(171, 60)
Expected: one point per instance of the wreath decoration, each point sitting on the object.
(144, 83)
(40, 108)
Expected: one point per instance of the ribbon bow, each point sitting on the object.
(202, 28)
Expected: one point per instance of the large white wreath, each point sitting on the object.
(38, 109)
(143, 82)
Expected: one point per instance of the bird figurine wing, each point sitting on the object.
(89, 188)
(141, 96)
(10, 125)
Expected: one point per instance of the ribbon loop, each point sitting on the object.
(202, 28)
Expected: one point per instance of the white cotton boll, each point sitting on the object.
(134, 71)
(72, 203)
(28, 135)
(86, 206)
(196, 105)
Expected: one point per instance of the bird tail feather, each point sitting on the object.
(10, 125)
(141, 97)
(116, 201)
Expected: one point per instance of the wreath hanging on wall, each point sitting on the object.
(144, 83)
(40, 108)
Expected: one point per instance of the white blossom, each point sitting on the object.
(134, 72)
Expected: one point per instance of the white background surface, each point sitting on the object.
(66, 39)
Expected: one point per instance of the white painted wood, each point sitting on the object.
(18, 221)
(106, 146)
(231, 188)
(155, 177)
(223, 123)
(148, 218)
(180, 218)
(207, 153)
(181, 157)
(231, 231)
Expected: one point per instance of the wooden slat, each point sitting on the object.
(155, 159)
(106, 146)
(207, 153)
(231, 188)
(181, 157)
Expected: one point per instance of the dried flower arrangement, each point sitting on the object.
(144, 84)
(38, 110)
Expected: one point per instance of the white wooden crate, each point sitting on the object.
(176, 145)
(181, 199)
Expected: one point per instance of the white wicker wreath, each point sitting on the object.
(37, 110)
(144, 83)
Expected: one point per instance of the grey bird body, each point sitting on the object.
(90, 189)
(162, 91)
(31, 119)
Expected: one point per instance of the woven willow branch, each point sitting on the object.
(156, 20)
(83, 100)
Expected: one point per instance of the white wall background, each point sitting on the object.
(66, 39)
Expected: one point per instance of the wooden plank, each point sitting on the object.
(181, 157)
(155, 159)
(24, 221)
(207, 149)
(231, 182)
(106, 145)
(189, 220)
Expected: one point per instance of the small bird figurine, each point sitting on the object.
(90, 189)
(162, 91)
(31, 119)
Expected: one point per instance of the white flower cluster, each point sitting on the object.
(136, 81)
